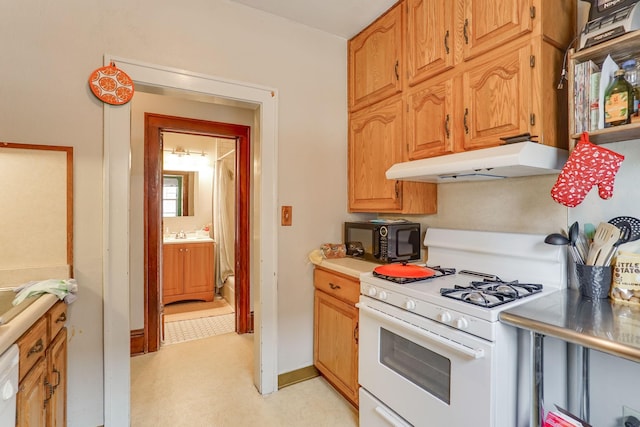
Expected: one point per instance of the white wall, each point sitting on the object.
(50, 49)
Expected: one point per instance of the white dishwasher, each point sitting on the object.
(8, 386)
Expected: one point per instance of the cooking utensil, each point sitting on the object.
(624, 238)
(589, 231)
(574, 240)
(559, 239)
(603, 241)
(630, 223)
(556, 239)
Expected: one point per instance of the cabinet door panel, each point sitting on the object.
(57, 377)
(491, 23)
(497, 97)
(172, 270)
(198, 267)
(430, 120)
(375, 61)
(430, 38)
(31, 397)
(335, 347)
(375, 143)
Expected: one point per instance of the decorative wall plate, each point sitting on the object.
(111, 85)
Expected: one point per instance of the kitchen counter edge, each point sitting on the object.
(349, 266)
(597, 324)
(20, 324)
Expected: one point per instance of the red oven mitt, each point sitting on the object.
(588, 165)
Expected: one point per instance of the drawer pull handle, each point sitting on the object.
(36, 348)
(334, 287)
(62, 317)
(58, 377)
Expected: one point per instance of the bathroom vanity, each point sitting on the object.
(188, 271)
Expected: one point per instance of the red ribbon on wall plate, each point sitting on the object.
(111, 85)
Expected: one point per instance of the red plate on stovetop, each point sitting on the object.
(405, 271)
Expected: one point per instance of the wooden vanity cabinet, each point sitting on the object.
(42, 389)
(188, 272)
(335, 337)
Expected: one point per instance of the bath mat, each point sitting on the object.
(194, 329)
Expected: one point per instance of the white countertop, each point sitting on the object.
(349, 266)
(14, 329)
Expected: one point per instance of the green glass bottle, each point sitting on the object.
(618, 101)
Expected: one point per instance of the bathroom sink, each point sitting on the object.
(7, 310)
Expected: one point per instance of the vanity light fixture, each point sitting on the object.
(180, 151)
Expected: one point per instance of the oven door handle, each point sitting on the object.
(475, 353)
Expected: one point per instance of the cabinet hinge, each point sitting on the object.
(532, 119)
(532, 12)
(407, 147)
(532, 61)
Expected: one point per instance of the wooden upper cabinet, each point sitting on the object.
(430, 119)
(491, 23)
(497, 97)
(375, 60)
(375, 137)
(431, 38)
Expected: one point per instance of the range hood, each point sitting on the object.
(506, 161)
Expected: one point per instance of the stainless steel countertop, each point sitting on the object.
(602, 325)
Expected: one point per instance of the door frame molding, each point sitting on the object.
(116, 190)
(154, 125)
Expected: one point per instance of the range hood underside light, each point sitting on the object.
(506, 161)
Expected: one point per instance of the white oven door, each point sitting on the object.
(428, 373)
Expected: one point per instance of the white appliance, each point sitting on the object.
(428, 359)
(8, 386)
(505, 161)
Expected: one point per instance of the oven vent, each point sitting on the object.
(506, 161)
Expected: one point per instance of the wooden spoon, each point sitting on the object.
(604, 239)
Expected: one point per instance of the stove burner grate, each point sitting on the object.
(491, 293)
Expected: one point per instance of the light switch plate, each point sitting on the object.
(287, 212)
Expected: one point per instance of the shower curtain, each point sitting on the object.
(225, 218)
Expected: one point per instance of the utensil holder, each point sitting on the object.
(594, 281)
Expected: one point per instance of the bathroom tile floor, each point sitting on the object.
(209, 383)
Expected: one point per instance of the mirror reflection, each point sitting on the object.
(178, 194)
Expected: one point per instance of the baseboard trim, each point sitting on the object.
(299, 375)
(137, 342)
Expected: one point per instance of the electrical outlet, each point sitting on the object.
(287, 212)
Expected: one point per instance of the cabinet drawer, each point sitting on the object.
(339, 286)
(32, 346)
(57, 318)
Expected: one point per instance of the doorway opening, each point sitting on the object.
(155, 126)
(116, 232)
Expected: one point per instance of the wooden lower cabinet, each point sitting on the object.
(335, 349)
(188, 272)
(42, 390)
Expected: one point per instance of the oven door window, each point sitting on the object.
(426, 369)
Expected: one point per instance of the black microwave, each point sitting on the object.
(383, 241)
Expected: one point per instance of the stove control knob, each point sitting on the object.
(410, 304)
(372, 291)
(382, 295)
(444, 317)
(462, 323)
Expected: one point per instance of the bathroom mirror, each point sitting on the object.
(36, 218)
(178, 193)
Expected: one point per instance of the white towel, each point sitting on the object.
(63, 289)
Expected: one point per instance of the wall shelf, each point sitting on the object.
(620, 49)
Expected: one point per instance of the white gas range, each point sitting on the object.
(432, 352)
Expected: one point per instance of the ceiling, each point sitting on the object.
(343, 18)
